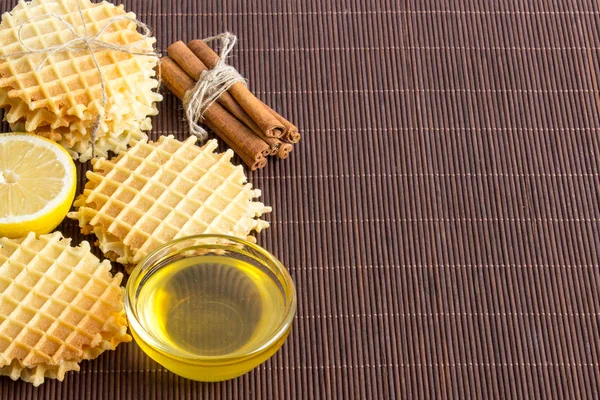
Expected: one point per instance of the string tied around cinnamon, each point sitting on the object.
(211, 85)
(85, 42)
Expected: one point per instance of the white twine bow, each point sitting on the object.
(85, 42)
(211, 85)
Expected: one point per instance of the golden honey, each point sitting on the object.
(210, 316)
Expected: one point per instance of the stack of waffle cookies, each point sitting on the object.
(157, 192)
(59, 305)
(79, 73)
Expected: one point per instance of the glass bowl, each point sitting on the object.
(210, 307)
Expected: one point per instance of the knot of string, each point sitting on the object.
(211, 85)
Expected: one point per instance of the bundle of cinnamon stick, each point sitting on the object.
(251, 128)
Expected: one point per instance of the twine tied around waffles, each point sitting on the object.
(83, 42)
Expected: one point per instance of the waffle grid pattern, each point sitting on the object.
(58, 303)
(157, 192)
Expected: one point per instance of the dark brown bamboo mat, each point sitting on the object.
(441, 217)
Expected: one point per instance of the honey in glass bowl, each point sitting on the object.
(210, 307)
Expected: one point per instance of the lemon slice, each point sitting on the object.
(37, 184)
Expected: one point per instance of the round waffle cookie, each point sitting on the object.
(156, 192)
(63, 90)
(59, 305)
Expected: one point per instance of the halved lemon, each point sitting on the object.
(37, 184)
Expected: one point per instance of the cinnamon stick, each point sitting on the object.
(274, 143)
(266, 121)
(284, 150)
(174, 78)
(253, 163)
(187, 60)
(191, 64)
(236, 131)
(241, 139)
(291, 134)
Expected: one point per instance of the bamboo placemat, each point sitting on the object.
(441, 217)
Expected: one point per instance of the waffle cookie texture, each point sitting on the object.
(159, 191)
(59, 305)
(59, 94)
